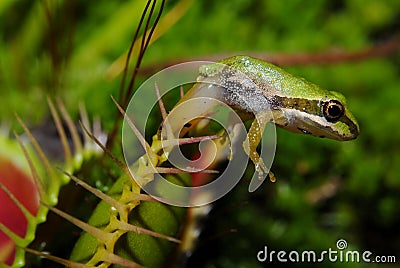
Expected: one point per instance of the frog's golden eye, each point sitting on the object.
(332, 110)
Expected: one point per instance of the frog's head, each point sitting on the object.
(327, 117)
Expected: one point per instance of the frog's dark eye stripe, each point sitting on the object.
(302, 105)
(332, 110)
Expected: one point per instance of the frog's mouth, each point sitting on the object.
(342, 130)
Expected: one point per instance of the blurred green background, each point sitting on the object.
(325, 191)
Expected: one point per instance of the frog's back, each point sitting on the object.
(272, 80)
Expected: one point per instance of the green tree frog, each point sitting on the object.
(255, 87)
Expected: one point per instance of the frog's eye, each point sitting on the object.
(332, 110)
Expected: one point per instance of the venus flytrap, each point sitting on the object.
(127, 189)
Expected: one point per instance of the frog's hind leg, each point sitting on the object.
(253, 139)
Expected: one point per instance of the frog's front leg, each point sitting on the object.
(253, 139)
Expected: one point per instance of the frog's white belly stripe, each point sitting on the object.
(301, 122)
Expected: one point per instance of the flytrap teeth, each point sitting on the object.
(111, 201)
(139, 230)
(29, 217)
(143, 197)
(106, 256)
(142, 140)
(164, 170)
(182, 141)
(160, 102)
(37, 148)
(78, 148)
(111, 258)
(61, 131)
(93, 137)
(96, 232)
(62, 261)
(25, 211)
(32, 168)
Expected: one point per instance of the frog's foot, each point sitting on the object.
(259, 165)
